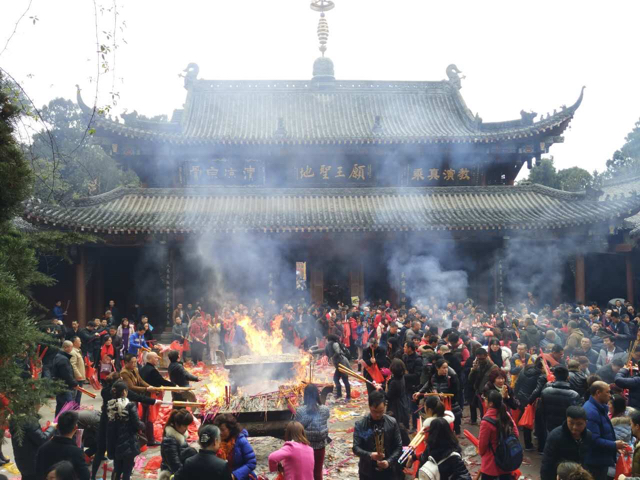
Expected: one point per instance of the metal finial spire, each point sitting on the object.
(323, 27)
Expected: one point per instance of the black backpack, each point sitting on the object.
(508, 455)
(345, 351)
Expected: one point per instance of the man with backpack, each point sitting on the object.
(338, 354)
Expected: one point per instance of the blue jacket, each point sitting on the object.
(632, 384)
(135, 342)
(244, 458)
(603, 447)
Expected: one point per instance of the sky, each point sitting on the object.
(531, 55)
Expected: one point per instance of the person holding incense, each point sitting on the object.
(377, 441)
(180, 377)
(374, 358)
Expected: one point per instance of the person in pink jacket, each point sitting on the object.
(295, 457)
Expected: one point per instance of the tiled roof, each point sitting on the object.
(627, 187)
(206, 209)
(349, 112)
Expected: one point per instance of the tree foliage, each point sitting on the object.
(80, 168)
(626, 160)
(570, 179)
(18, 273)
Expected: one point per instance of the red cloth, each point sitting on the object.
(346, 339)
(489, 436)
(353, 324)
(199, 330)
(107, 350)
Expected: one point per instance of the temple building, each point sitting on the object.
(341, 173)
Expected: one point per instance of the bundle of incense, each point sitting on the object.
(227, 394)
(189, 404)
(379, 438)
(438, 394)
(86, 392)
(357, 376)
(417, 440)
(175, 389)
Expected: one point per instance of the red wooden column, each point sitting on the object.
(629, 268)
(580, 279)
(81, 289)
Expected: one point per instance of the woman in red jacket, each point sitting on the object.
(488, 438)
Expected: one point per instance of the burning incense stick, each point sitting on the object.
(357, 376)
(417, 440)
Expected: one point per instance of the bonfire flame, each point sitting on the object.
(261, 342)
(215, 386)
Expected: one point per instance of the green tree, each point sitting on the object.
(65, 162)
(18, 272)
(544, 173)
(626, 160)
(572, 179)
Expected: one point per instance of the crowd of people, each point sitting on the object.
(560, 381)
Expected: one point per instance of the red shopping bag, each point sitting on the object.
(624, 463)
(528, 417)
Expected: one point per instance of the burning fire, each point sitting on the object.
(261, 342)
(218, 381)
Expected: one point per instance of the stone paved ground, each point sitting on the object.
(339, 463)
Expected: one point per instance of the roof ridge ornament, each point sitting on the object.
(454, 76)
(323, 26)
(190, 75)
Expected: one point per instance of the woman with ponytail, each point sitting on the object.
(489, 435)
(205, 465)
(174, 447)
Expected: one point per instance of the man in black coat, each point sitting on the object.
(62, 370)
(372, 465)
(577, 377)
(90, 340)
(24, 452)
(623, 380)
(556, 398)
(620, 331)
(414, 365)
(586, 350)
(567, 443)
(150, 374)
(180, 377)
(608, 372)
(62, 447)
